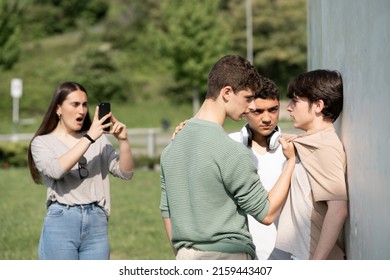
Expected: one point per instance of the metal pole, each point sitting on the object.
(15, 114)
(16, 93)
(249, 31)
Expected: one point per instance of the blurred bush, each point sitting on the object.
(13, 154)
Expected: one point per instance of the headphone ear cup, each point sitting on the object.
(246, 136)
(273, 139)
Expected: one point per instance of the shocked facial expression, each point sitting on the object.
(73, 111)
(264, 118)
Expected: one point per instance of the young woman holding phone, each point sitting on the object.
(72, 156)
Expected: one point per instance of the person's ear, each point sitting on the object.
(58, 111)
(226, 93)
(319, 106)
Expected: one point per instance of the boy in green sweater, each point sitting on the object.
(209, 182)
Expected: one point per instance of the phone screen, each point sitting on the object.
(104, 109)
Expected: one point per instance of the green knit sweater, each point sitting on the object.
(208, 185)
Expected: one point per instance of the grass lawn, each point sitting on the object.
(136, 230)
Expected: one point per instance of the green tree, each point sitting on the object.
(10, 40)
(129, 21)
(279, 36)
(133, 28)
(97, 71)
(48, 17)
(193, 38)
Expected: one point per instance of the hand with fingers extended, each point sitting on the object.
(97, 127)
(118, 129)
(178, 128)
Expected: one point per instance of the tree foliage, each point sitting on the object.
(48, 17)
(130, 29)
(98, 72)
(157, 47)
(279, 36)
(194, 38)
(10, 32)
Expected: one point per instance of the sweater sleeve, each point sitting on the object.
(243, 183)
(112, 157)
(46, 159)
(164, 207)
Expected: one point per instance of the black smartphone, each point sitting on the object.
(104, 109)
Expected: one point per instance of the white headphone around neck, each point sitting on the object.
(272, 139)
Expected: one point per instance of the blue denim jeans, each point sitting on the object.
(74, 233)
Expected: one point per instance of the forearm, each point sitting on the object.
(278, 194)
(70, 158)
(126, 163)
(331, 228)
(168, 229)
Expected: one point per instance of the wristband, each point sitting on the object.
(89, 138)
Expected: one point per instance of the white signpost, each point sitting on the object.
(16, 93)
